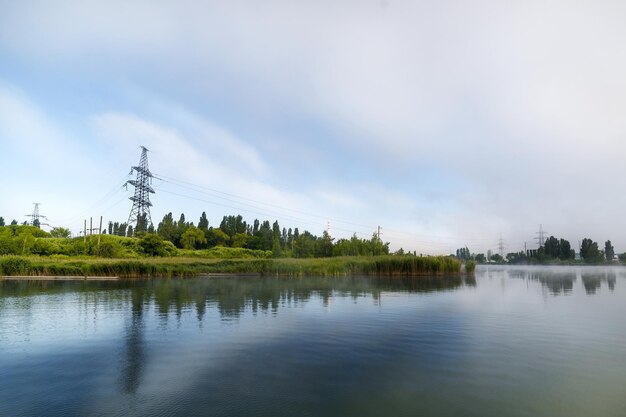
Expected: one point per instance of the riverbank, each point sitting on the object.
(189, 267)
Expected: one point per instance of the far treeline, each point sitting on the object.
(554, 251)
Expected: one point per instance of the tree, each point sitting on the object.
(60, 232)
(565, 250)
(497, 258)
(1, 221)
(203, 223)
(154, 245)
(142, 224)
(480, 258)
(193, 238)
(609, 251)
(552, 248)
(14, 222)
(217, 237)
(463, 253)
(589, 251)
(239, 240)
(516, 257)
(167, 228)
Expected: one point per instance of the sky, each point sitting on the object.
(446, 123)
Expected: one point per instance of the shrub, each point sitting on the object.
(154, 245)
(15, 265)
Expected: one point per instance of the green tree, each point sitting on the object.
(1, 221)
(60, 232)
(304, 245)
(167, 228)
(552, 247)
(497, 258)
(463, 254)
(324, 246)
(142, 224)
(589, 251)
(217, 237)
(203, 223)
(155, 245)
(239, 240)
(480, 258)
(192, 238)
(609, 251)
(565, 250)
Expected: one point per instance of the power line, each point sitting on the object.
(260, 211)
(215, 193)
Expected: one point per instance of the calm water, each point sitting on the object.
(511, 342)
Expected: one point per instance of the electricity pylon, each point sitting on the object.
(140, 212)
(34, 218)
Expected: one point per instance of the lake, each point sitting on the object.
(511, 341)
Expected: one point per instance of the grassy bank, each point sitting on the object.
(193, 266)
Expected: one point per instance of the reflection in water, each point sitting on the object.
(558, 281)
(555, 281)
(231, 295)
(132, 363)
(311, 346)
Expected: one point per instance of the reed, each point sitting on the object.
(193, 266)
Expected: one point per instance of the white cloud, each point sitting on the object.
(518, 105)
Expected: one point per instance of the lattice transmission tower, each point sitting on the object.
(35, 217)
(141, 199)
(541, 236)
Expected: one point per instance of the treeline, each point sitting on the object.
(553, 251)
(181, 237)
(233, 231)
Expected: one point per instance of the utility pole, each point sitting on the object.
(85, 232)
(99, 232)
(143, 189)
(378, 233)
(541, 236)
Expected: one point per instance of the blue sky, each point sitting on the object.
(446, 123)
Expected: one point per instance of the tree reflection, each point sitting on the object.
(556, 282)
(593, 281)
(559, 282)
(133, 360)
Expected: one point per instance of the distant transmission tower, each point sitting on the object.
(501, 246)
(34, 218)
(541, 236)
(141, 199)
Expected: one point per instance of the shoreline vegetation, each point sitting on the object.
(179, 249)
(167, 267)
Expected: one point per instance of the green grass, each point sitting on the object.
(193, 266)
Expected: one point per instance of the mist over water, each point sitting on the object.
(516, 341)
